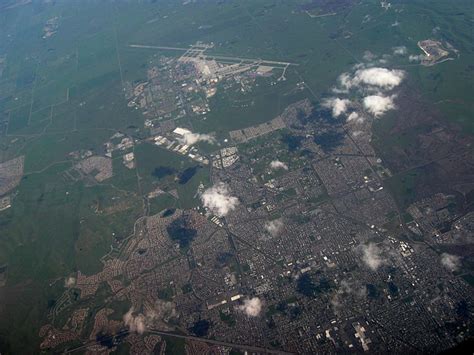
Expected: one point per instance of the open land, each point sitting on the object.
(203, 177)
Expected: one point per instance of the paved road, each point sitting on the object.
(249, 348)
(223, 343)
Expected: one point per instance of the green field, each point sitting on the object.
(65, 93)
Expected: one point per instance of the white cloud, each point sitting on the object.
(371, 256)
(371, 82)
(375, 78)
(190, 138)
(347, 290)
(400, 50)
(160, 311)
(70, 282)
(346, 287)
(416, 58)
(451, 262)
(345, 81)
(276, 164)
(378, 105)
(252, 307)
(361, 66)
(382, 78)
(369, 56)
(338, 106)
(357, 133)
(355, 117)
(134, 323)
(218, 199)
(274, 227)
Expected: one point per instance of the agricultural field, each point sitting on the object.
(118, 121)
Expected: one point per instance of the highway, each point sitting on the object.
(249, 348)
